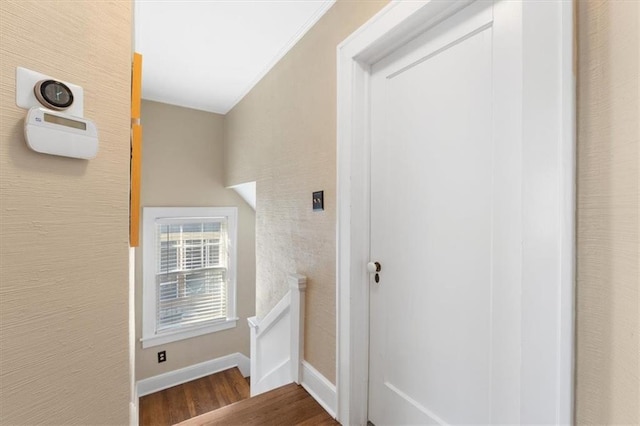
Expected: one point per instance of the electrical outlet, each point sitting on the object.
(162, 356)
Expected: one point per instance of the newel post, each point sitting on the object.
(253, 363)
(297, 286)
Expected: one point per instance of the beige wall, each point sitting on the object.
(608, 320)
(182, 165)
(283, 135)
(64, 223)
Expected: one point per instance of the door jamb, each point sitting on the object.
(393, 26)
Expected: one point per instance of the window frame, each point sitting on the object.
(150, 215)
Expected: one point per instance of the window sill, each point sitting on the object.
(173, 336)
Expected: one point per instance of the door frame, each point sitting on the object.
(396, 24)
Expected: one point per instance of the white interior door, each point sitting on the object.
(445, 227)
(456, 173)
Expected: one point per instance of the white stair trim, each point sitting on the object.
(320, 388)
(272, 318)
(193, 372)
(298, 287)
(277, 340)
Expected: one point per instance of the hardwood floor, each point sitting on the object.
(191, 399)
(288, 405)
(227, 392)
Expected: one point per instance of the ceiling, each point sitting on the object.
(208, 54)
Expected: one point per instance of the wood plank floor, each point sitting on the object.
(191, 399)
(288, 405)
(227, 392)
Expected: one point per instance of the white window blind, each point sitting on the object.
(191, 274)
(188, 272)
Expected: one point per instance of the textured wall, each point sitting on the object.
(608, 320)
(283, 135)
(64, 223)
(182, 165)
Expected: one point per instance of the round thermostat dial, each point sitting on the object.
(53, 94)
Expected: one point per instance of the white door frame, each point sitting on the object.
(544, 25)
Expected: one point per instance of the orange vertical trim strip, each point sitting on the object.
(136, 169)
(136, 150)
(136, 86)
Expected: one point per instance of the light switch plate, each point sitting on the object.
(318, 201)
(26, 79)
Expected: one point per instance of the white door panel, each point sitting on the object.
(432, 204)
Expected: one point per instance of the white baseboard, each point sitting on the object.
(183, 375)
(320, 388)
(133, 414)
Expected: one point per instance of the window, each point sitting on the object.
(188, 272)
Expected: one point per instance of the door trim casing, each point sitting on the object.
(392, 27)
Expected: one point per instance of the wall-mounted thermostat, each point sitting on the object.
(57, 133)
(59, 128)
(53, 94)
(36, 89)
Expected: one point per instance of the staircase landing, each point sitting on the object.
(223, 399)
(287, 405)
